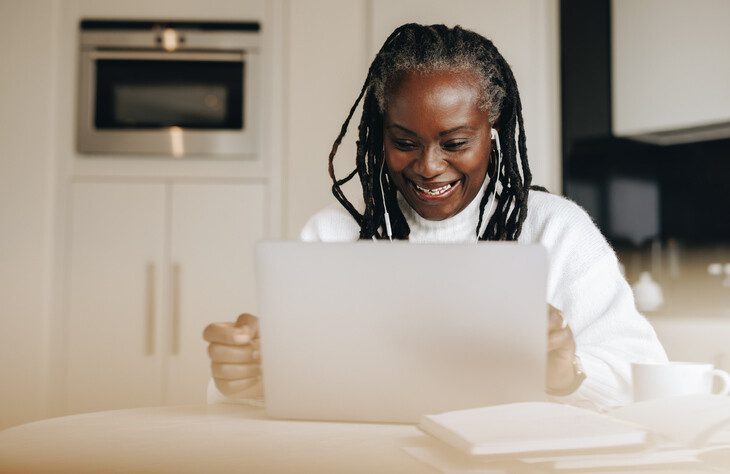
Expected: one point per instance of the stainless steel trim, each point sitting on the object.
(175, 310)
(150, 313)
(192, 39)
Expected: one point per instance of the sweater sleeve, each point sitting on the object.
(598, 304)
(609, 333)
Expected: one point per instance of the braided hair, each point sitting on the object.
(413, 47)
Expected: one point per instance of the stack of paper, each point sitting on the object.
(686, 431)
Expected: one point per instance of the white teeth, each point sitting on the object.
(434, 192)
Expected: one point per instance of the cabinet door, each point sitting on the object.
(117, 238)
(650, 92)
(214, 228)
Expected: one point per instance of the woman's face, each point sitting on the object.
(437, 141)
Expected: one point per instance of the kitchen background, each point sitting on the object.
(112, 264)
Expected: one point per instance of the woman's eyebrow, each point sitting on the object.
(456, 129)
(403, 129)
(441, 134)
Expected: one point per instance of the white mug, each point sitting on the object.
(676, 378)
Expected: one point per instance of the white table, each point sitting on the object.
(206, 439)
(223, 439)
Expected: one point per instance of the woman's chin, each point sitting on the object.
(434, 212)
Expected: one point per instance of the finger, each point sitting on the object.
(555, 319)
(560, 369)
(237, 387)
(221, 353)
(250, 322)
(235, 371)
(561, 339)
(227, 333)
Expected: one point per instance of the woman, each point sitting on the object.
(441, 157)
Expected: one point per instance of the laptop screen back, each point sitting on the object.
(388, 332)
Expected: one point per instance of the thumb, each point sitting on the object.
(248, 324)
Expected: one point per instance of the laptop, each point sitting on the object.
(390, 331)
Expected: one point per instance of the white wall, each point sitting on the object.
(327, 63)
(26, 179)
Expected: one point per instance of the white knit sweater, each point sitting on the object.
(584, 282)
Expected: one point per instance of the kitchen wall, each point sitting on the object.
(327, 59)
(27, 102)
(319, 53)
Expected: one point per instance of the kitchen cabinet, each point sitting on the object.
(150, 265)
(670, 67)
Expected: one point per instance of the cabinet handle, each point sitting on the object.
(175, 346)
(150, 316)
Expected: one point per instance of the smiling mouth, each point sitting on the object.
(435, 194)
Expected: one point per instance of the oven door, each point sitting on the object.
(167, 103)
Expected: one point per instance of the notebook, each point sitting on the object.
(536, 427)
(387, 332)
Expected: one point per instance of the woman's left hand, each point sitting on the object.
(561, 372)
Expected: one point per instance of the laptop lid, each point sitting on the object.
(387, 332)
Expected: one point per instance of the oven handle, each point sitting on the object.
(161, 56)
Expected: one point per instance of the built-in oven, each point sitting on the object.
(168, 88)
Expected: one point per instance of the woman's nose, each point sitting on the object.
(431, 163)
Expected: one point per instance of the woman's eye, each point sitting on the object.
(404, 145)
(454, 144)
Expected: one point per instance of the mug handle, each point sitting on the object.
(725, 377)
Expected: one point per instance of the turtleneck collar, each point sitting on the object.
(459, 228)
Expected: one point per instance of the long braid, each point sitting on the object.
(364, 168)
(503, 224)
(361, 150)
(417, 47)
(490, 189)
(337, 184)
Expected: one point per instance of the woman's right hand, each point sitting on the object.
(235, 356)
